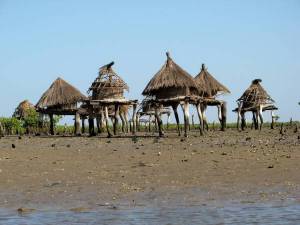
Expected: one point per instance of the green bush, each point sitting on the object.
(31, 120)
(12, 126)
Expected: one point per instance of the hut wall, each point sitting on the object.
(173, 93)
(105, 93)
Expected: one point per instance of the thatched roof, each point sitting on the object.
(59, 94)
(208, 85)
(170, 76)
(108, 84)
(255, 94)
(23, 107)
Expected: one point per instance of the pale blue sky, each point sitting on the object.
(237, 40)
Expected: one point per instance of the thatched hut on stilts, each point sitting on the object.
(255, 99)
(210, 88)
(107, 96)
(171, 86)
(22, 109)
(61, 99)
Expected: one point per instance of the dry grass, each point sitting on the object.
(170, 77)
(208, 85)
(60, 93)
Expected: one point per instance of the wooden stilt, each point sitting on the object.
(273, 119)
(102, 120)
(116, 118)
(203, 109)
(256, 120)
(134, 119)
(149, 126)
(123, 122)
(223, 116)
(174, 107)
(130, 126)
(126, 123)
(109, 134)
(159, 121)
(193, 123)
(77, 124)
(98, 125)
(261, 117)
(91, 126)
(138, 125)
(200, 118)
(243, 120)
(238, 116)
(155, 123)
(82, 125)
(186, 118)
(51, 124)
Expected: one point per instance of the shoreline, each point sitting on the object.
(54, 172)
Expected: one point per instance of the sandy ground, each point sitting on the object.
(72, 172)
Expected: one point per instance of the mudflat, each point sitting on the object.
(82, 172)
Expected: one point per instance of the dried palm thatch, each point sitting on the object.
(171, 81)
(255, 95)
(61, 95)
(209, 87)
(108, 85)
(22, 109)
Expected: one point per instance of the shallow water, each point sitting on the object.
(253, 213)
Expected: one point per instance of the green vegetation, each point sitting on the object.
(12, 126)
(30, 124)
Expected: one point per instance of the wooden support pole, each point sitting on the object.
(130, 126)
(116, 118)
(243, 120)
(193, 123)
(186, 118)
(51, 124)
(199, 112)
(91, 127)
(256, 124)
(223, 116)
(77, 124)
(83, 125)
(138, 122)
(203, 109)
(109, 134)
(134, 119)
(98, 125)
(159, 121)
(122, 116)
(273, 120)
(126, 122)
(174, 107)
(149, 125)
(238, 116)
(261, 118)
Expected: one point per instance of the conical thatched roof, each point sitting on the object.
(23, 107)
(59, 94)
(169, 78)
(108, 84)
(255, 94)
(208, 85)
